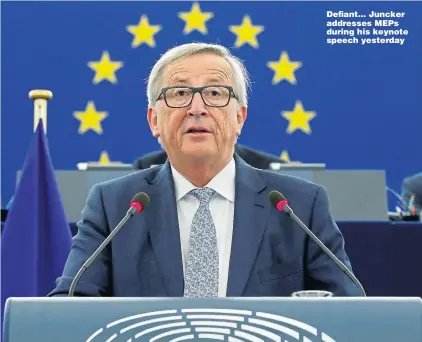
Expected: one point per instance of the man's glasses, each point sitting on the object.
(212, 95)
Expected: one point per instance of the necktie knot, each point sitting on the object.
(204, 195)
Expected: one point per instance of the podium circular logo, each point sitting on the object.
(206, 324)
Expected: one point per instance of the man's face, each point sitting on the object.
(197, 131)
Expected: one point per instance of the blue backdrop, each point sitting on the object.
(364, 101)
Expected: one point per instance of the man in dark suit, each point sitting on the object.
(257, 159)
(209, 230)
(412, 193)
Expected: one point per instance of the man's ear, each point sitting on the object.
(153, 122)
(241, 115)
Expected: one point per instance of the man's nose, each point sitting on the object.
(197, 106)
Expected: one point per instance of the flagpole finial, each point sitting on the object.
(40, 98)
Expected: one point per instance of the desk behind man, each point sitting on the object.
(209, 229)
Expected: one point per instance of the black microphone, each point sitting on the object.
(279, 202)
(139, 202)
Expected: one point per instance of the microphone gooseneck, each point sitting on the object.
(279, 202)
(139, 202)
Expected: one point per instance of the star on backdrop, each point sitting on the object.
(298, 118)
(285, 156)
(143, 32)
(106, 161)
(90, 119)
(195, 19)
(246, 32)
(105, 69)
(104, 158)
(284, 69)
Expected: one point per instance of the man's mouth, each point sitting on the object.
(197, 131)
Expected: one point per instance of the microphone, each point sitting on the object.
(279, 202)
(139, 202)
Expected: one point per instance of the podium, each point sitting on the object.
(226, 319)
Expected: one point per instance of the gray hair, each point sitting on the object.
(240, 74)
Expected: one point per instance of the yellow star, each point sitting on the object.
(298, 118)
(105, 69)
(143, 32)
(246, 32)
(284, 69)
(285, 156)
(90, 119)
(195, 19)
(104, 158)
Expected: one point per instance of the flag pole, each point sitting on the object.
(40, 98)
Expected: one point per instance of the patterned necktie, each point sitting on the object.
(201, 274)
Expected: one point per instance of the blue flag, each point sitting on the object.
(36, 238)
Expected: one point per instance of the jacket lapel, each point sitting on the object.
(250, 217)
(163, 226)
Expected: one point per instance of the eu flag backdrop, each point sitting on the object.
(36, 238)
(351, 106)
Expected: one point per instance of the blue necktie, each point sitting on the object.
(201, 273)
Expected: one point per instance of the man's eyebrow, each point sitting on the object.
(177, 81)
(215, 79)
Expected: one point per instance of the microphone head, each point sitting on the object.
(140, 201)
(278, 201)
(275, 197)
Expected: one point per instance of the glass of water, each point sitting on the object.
(312, 293)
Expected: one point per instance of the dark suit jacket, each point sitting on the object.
(413, 186)
(258, 159)
(270, 255)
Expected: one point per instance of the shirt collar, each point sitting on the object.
(223, 183)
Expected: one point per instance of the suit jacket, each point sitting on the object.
(413, 186)
(270, 255)
(258, 159)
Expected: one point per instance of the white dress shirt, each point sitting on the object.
(222, 211)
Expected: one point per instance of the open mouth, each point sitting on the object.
(197, 131)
